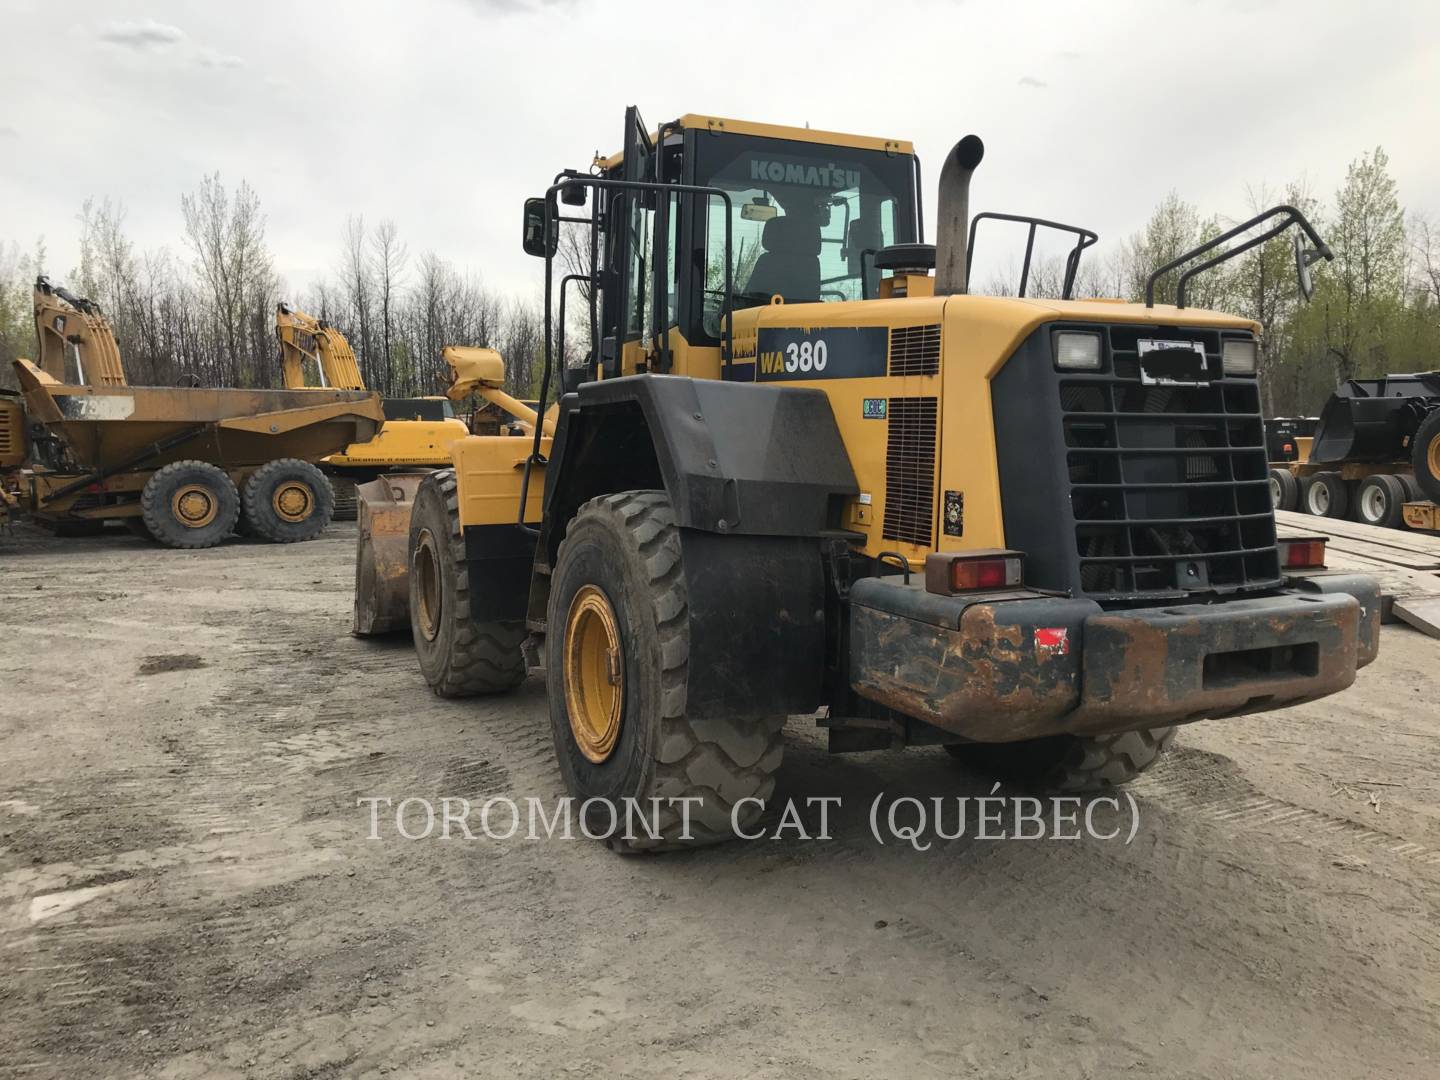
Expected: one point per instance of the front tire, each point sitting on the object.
(287, 501)
(1072, 764)
(617, 665)
(458, 656)
(190, 504)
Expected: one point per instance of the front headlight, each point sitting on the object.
(1077, 351)
(1238, 356)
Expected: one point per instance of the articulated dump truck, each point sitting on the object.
(804, 472)
(185, 466)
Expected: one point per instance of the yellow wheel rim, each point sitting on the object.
(428, 587)
(1432, 456)
(293, 500)
(194, 506)
(594, 673)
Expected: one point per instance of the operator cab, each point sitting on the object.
(801, 214)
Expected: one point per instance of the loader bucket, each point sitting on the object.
(382, 557)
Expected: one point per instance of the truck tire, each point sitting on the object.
(190, 504)
(287, 501)
(1074, 764)
(458, 656)
(1381, 501)
(1325, 495)
(1425, 456)
(618, 656)
(1412, 489)
(1284, 489)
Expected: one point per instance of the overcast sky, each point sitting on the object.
(444, 114)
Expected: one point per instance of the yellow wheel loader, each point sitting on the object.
(804, 472)
(184, 466)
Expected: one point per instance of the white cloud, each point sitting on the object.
(1032, 82)
(213, 58)
(141, 34)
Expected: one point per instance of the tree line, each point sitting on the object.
(1375, 308)
(208, 310)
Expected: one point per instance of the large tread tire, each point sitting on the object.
(262, 517)
(157, 505)
(1380, 500)
(1425, 456)
(1071, 764)
(458, 656)
(1284, 489)
(1325, 495)
(628, 546)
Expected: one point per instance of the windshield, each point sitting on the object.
(805, 218)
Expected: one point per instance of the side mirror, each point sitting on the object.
(1304, 257)
(534, 235)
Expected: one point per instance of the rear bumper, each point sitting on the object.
(1025, 666)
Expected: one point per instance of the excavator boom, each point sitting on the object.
(304, 337)
(77, 344)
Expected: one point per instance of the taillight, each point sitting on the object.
(950, 572)
(1302, 553)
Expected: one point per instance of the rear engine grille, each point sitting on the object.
(1168, 484)
(915, 350)
(9, 436)
(910, 471)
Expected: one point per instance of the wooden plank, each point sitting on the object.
(1423, 613)
(1405, 540)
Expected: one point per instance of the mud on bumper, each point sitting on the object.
(1022, 666)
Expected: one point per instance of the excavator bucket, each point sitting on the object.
(382, 559)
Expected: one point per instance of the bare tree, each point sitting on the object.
(388, 256)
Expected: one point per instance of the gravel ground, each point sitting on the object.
(188, 889)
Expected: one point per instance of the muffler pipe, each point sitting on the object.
(953, 216)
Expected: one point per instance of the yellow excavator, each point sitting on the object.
(418, 432)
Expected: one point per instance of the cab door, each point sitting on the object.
(631, 215)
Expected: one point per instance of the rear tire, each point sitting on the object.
(458, 656)
(1381, 501)
(618, 656)
(1425, 456)
(287, 501)
(1325, 495)
(190, 505)
(1284, 489)
(1074, 764)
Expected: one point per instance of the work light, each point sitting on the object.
(1075, 351)
(1239, 356)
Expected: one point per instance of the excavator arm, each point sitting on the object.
(69, 326)
(304, 337)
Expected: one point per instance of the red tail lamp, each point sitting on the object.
(1302, 553)
(950, 572)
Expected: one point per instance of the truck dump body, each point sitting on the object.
(104, 425)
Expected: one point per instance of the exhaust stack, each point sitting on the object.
(953, 225)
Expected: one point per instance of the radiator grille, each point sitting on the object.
(910, 471)
(9, 436)
(1168, 484)
(915, 350)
